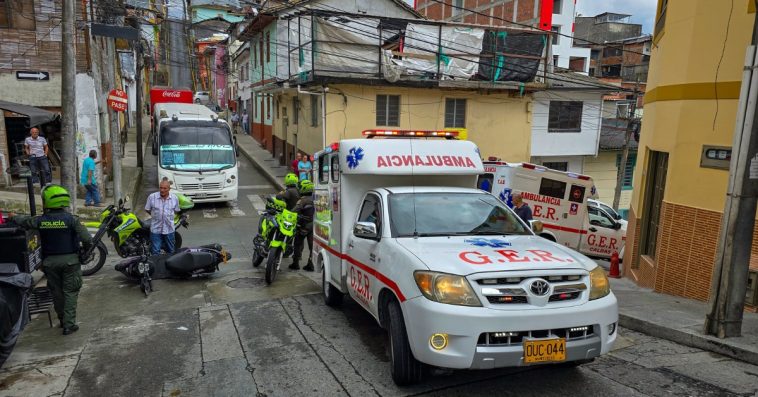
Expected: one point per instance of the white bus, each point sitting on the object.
(197, 153)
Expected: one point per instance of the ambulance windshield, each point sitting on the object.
(457, 214)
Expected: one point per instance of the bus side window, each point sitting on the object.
(485, 182)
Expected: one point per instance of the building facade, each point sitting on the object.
(690, 106)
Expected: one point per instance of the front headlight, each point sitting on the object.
(599, 285)
(446, 288)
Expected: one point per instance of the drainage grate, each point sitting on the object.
(246, 282)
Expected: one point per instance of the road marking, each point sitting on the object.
(253, 187)
(235, 211)
(257, 202)
(210, 213)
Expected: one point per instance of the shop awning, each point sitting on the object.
(36, 116)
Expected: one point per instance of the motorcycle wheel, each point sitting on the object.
(272, 263)
(146, 285)
(96, 261)
(257, 258)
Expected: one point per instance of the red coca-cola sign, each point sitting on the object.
(168, 95)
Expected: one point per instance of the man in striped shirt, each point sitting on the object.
(36, 148)
(162, 205)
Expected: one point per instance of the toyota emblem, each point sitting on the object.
(540, 287)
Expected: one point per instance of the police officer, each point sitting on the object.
(290, 194)
(305, 211)
(61, 234)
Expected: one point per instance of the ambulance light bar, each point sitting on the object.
(332, 148)
(410, 133)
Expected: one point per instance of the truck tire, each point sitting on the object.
(332, 296)
(406, 370)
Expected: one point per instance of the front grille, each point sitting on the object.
(203, 196)
(509, 338)
(516, 290)
(200, 186)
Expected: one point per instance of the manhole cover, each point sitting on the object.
(246, 282)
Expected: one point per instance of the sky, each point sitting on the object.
(642, 11)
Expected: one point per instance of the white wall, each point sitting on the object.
(564, 49)
(546, 143)
(575, 163)
(87, 122)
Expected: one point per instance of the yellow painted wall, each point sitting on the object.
(602, 168)
(499, 124)
(681, 113)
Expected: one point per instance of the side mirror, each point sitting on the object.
(126, 199)
(365, 230)
(537, 226)
(617, 225)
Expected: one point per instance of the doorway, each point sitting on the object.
(657, 168)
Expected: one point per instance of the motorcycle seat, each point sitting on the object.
(187, 262)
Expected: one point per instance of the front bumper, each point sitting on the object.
(209, 196)
(464, 325)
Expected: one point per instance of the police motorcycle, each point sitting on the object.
(276, 233)
(266, 226)
(183, 264)
(129, 234)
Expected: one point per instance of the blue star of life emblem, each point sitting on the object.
(354, 157)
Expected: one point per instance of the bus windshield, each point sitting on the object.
(196, 148)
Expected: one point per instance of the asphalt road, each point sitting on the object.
(230, 335)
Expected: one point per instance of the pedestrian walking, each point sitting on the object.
(521, 208)
(36, 148)
(162, 206)
(304, 167)
(246, 123)
(89, 181)
(235, 121)
(296, 162)
(61, 236)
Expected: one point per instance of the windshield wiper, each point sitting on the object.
(493, 233)
(441, 234)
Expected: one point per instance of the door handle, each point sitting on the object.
(350, 245)
(592, 229)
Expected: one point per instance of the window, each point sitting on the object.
(268, 107)
(556, 165)
(612, 52)
(268, 47)
(629, 172)
(555, 60)
(255, 54)
(556, 34)
(314, 110)
(557, 6)
(565, 116)
(577, 193)
(553, 188)
(660, 19)
(388, 110)
(17, 14)
(260, 49)
(600, 218)
(295, 110)
(335, 168)
(323, 169)
(485, 182)
(657, 168)
(371, 211)
(455, 113)
(457, 10)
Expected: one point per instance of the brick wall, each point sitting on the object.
(686, 251)
(500, 9)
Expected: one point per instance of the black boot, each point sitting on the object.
(295, 264)
(308, 267)
(69, 331)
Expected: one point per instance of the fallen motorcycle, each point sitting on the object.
(185, 263)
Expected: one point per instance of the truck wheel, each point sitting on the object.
(332, 296)
(406, 370)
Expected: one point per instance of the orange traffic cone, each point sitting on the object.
(614, 273)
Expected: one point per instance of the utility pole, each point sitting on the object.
(140, 106)
(115, 133)
(729, 280)
(68, 102)
(630, 124)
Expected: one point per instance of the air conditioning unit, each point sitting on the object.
(751, 296)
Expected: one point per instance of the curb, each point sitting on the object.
(260, 167)
(688, 338)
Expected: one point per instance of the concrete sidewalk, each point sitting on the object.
(15, 201)
(663, 316)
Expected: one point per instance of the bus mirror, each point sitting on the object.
(236, 147)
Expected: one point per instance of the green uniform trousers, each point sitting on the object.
(64, 279)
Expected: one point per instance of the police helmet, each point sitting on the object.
(305, 187)
(55, 196)
(290, 179)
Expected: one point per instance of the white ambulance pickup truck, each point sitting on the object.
(449, 270)
(560, 200)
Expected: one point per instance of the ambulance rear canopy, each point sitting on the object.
(408, 156)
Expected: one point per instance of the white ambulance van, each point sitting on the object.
(457, 279)
(560, 200)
